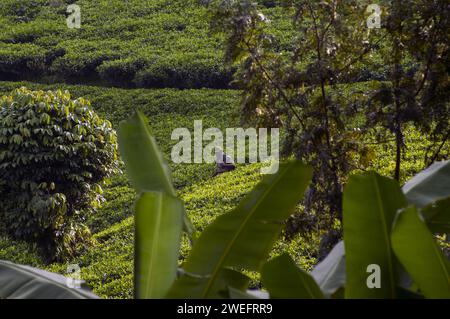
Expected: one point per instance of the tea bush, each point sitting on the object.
(54, 154)
(135, 43)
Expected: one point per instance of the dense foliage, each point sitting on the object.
(157, 43)
(242, 238)
(107, 267)
(301, 90)
(347, 99)
(381, 220)
(55, 153)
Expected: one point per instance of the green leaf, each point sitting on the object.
(408, 294)
(243, 237)
(370, 204)
(144, 162)
(429, 186)
(330, 273)
(284, 280)
(417, 250)
(249, 294)
(158, 224)
(145, 165)
(24, 282)
(437, 216)
(224, 280)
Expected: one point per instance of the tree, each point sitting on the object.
(301, 87)
(416, 55)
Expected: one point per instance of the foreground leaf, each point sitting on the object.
(330, 273)
(158, 227)
(24, 282)
(429, 186)
(144, 162)
(370, 205)
(284, 280)
(419, 253)
(249, 294)
(243, 238)
(437, 216)
(224, 280)
(145, 165)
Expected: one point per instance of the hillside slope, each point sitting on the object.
(108, 266)
(133, 43)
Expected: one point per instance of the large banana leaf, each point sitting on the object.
(415, 247)
(24, 282)
(158, 227)
(243, 238)
(437, 216)
(330, 273)
(284, 280)
(370, 204)
(190, 286)
(145, 165)
(429, 186)
(158, 212)
(430, 190)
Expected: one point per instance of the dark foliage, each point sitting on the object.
(298, 91)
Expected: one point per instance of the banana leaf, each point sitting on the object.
(24, 282)
(284, 280)
(158, 228)
(243, 238)
(417, 250)
(370, 205)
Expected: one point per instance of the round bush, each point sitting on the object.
(55, 153)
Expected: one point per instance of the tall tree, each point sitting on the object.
(416, 55)
(307, 86)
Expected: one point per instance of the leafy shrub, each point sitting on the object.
(18, 59)
(21, 11)
(185, 71)
(119, 72)
(54, 154)
(19, 252)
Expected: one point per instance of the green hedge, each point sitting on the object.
(139, 43)
(134, 43)
(108, 266)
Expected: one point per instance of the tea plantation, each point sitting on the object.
(108, 266)
(158, 56)
(143, 43)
